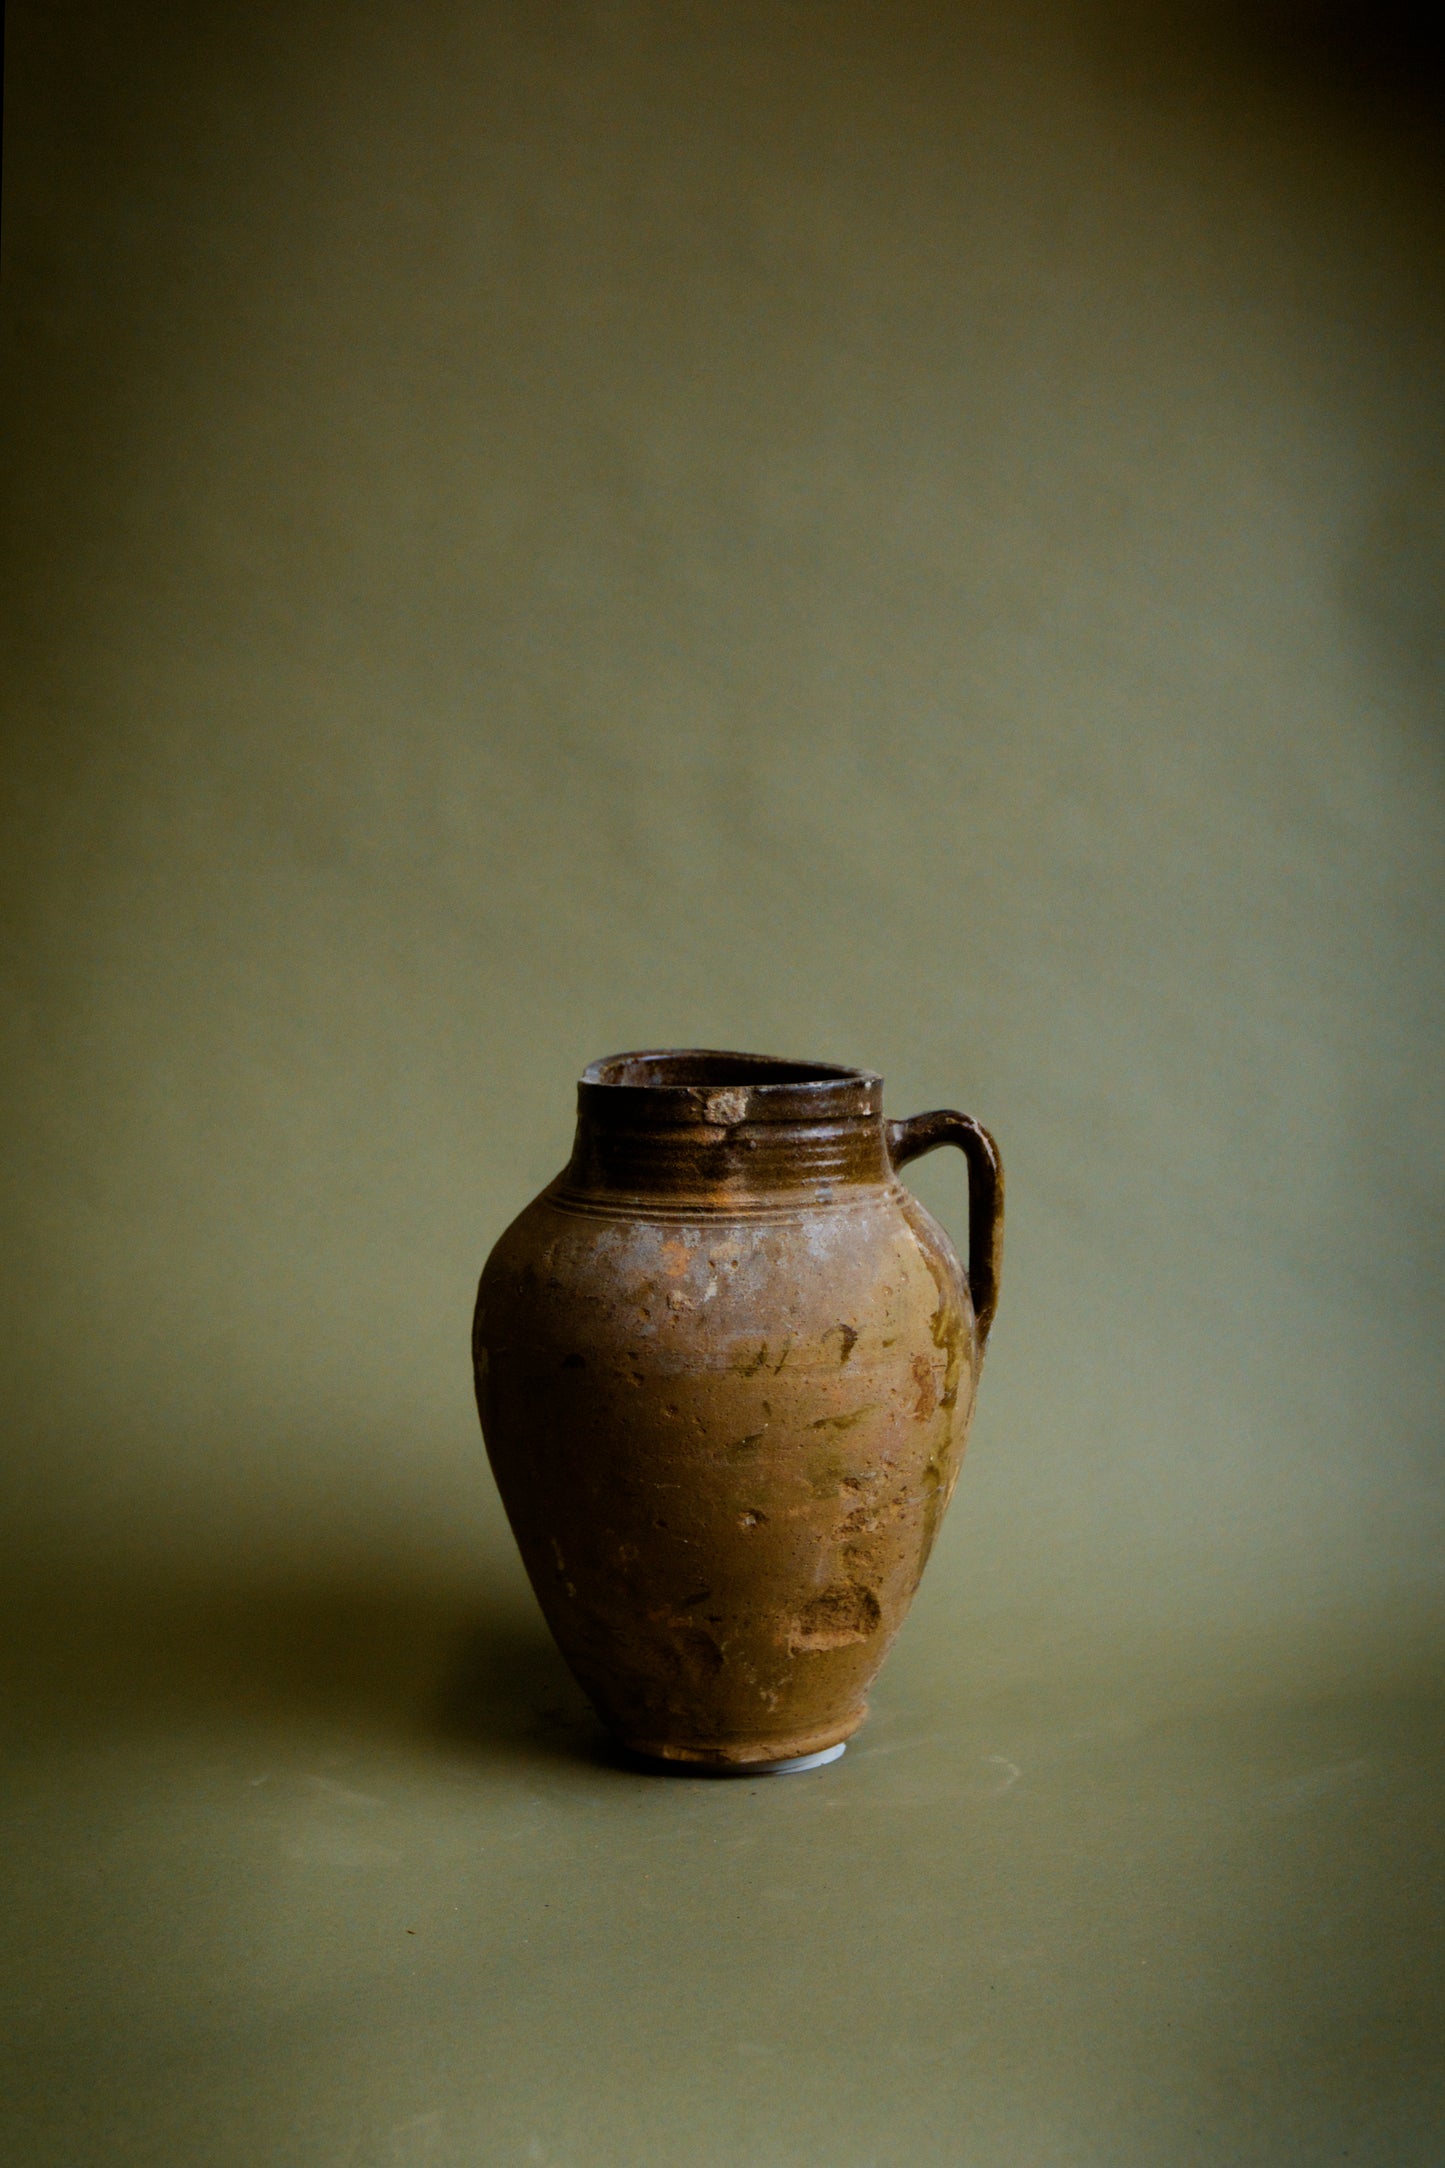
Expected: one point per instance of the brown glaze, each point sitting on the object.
(725, 1366)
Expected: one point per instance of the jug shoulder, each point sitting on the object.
(716, 1289)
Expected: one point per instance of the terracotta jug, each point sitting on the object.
(725, 1365)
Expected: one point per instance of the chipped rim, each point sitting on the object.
(700, 1083)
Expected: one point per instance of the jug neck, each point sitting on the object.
(697, 1129)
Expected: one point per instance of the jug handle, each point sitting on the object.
(924, 1133)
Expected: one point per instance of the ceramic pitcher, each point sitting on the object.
(725, 1365)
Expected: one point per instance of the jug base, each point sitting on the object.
(793, 1765)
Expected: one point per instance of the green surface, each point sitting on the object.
(910, 535)
(350, 1878)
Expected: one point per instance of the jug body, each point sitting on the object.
(725, 1367)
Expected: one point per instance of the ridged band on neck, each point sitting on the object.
(721, 1129)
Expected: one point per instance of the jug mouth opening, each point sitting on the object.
(696, 1068)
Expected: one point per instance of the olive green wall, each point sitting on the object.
(908, 534)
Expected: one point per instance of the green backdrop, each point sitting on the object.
(905, 534)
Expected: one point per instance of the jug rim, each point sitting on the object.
(708, 1068)
(713, 1084)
